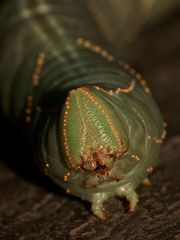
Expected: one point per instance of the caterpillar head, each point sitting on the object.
(91, 149)
(93, 136)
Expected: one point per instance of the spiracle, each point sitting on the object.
(95, 128)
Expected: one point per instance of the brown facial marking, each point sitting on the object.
(99, 161)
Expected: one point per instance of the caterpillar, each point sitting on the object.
(94, 126)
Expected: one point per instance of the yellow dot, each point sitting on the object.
(87, 44)
(97, 49)
(80, 40)
(138, 76)
(164, 134)
(126, 66)
(29, 97)
(158, 141)
(150, 169)
(28, 119)
(143, 82)
(104, 53)
(28, 110)
(110, 58)
(147, 90)
(65, 178)
(40, 60)
(68, 190)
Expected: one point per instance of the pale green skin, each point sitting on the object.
(137, 142)
(29, 27)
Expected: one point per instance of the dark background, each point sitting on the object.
(31, 207)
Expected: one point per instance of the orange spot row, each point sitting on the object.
(95, 48)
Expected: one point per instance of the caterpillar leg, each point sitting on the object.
(129, 193)
(133, 199)
(97, 205)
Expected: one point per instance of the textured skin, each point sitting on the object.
(49, 56)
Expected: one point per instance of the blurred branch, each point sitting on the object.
(121, 20)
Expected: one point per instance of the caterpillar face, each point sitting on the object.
(96, 130)
(104, 146)
(94, 138)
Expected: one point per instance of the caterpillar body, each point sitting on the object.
(96, 130)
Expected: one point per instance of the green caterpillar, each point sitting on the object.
(95, 128)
